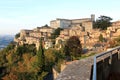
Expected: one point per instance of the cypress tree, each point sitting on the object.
(41, 58)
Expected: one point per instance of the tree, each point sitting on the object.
(10, 46)
(17, 35)
(73, 47)
(45, 25)
(56, 33)
(21, 50)
(103, 22)
(101, 38)
(41, 58)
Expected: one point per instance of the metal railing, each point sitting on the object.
(110, 52)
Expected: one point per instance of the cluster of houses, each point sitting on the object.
(33, 36)
(83, 28)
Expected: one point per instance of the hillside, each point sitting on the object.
(26, 63)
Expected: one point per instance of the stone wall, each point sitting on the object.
(55, 24)
(55, 73)
(114, 30)
(66, 23)
(24, 33)
(76, 21)
(92, 38)
(33, 36)
(88, 25)
(116, 23)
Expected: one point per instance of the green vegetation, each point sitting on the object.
(103, 22)
(40, 58)
(25, 62)
(16, 63)
(26, 49)
(56, 33)
(45, 25)
(17, 35)
(87, 55)
(73, 47)
(53, 58)
(101, 38)
(10, 46)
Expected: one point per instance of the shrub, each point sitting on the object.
(17, 35)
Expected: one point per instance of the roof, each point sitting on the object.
(44, 27)
(70, 19)
(82, 19)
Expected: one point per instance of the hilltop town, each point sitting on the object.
(66, 45)
(83, 28)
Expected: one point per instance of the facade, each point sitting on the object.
(114, 29)
(76, 27)
(48, 44)
(60, 23)
(33, 36)
(85, 23)
(72, 31)
(117, 23)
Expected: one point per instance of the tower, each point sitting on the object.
(92, 17)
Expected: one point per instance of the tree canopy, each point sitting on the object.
(56, 33)
(103, 22)
(17, 35)
(41, 57)
(45, 25)
(73, 47)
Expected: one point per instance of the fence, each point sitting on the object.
(109, 53)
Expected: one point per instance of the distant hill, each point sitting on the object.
(5, 40)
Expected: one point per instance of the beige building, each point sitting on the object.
(72, 31)
(33, 36)
(48, 44)
(85, 23)
(116, 23)
(114, 29)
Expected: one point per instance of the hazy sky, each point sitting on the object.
(28, 14)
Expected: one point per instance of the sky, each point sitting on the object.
(28, 14)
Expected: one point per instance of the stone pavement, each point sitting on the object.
(78, 70)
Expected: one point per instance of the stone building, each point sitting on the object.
(33, 36)
(85, 23)
(48, 44)
(88, 39)
(116, 23)
(114, 29)
(45, 31)
(71, 31)
(24, 33)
